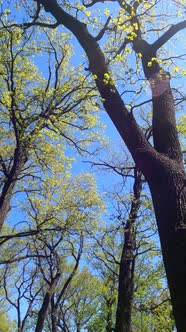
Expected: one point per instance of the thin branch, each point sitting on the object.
(101, 33)
(17, 259)
(158, 305)
(143, 103)
(33, 23)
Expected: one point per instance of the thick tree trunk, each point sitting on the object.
(167, 185)
(169, 199)
(166, 179)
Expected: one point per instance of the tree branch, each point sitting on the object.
(114, 105)
(33, 23)
(101, 33)
(167, 35)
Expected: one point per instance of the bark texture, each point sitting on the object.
(169, 199)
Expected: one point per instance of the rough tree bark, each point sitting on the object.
(162, 164)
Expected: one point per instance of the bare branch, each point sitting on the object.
(33, 23)
(18, 259)
(167, 35)
(101, 33)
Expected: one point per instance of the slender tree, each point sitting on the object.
(127, 262)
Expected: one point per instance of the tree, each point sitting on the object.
(161, 163)
(48, 245)
(145, 298)
(128, 244)
(127, 263)
(34, 108)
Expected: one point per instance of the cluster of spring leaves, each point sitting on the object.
(48, 108)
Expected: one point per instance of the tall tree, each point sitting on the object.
(142, 289)
(128, 220)
(161, 163)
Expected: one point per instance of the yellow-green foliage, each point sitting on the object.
(42, 105)
(6, 324)
(182, 125)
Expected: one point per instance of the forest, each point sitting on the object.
(92, 166)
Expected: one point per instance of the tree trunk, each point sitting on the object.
(166, 180)
(109, 303)
(53, 315)
(20, 159)
(78, 329)
(126, 286)
(46, 301)
(169, 199)
(126, 273)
